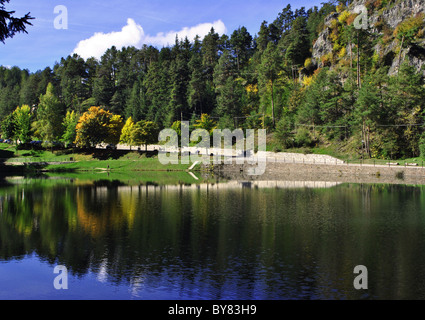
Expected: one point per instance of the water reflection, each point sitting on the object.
(264, 240)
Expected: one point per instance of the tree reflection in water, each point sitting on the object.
(215, 242)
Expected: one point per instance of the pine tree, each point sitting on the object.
(241, 45)
(268, 71)
(179, 80)
(105, 81)
(9, 24)
(407, 94)
(210, 49)
(73, 76)
(227, 89)
(136, 105)
(157, 87)
(263, 37)
(197, 86)
(296, 44)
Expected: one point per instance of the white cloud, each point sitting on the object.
(133, 35)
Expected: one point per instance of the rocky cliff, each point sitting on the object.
(384, 19)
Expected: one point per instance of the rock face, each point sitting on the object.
(392, 15)
(323, 45)
(396, 13)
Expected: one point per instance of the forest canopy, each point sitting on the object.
(269, 80)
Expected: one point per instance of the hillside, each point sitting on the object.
(310, 77)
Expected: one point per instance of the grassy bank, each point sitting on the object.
(86, 161)
(348, 152)
(121, 161)
(119, 165)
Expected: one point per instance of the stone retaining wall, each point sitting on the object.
(322, 172)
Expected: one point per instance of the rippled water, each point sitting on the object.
(265, 241)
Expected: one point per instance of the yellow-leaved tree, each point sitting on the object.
(206, 122)
(98, 126)
(125, 137)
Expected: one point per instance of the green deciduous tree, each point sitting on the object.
(8, 126)
(50, 113)
(22, 118)
(145, 132)
(69, 124)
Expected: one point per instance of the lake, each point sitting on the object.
(210, 241)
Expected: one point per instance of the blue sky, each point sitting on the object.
(126, 22)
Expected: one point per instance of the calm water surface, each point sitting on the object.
(218, 241)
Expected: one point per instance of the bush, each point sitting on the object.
(400, 175)
(303, 138)
(343, 16)
(226, 122)
(267, 123)
(254, 121)
(283, 133)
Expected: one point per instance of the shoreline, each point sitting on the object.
(280, 167)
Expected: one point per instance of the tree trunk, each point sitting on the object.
(358, 61)
(363, 138)
(368, 141)
(399, 55)
(273, 104)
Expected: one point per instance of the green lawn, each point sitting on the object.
(96, 160)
